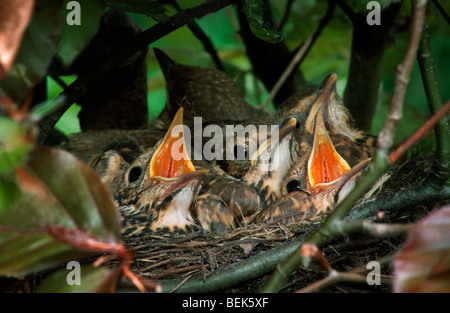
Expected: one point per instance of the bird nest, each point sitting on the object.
(164, 257)
(169, 256)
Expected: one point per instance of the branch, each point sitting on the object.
(77, 89)
(442, 11)
(386, 135)
(365, 69)
(436, 119)
(435, 102)
(327, 230)
(334, 277)
(198, 32)
(284, 19)
(422, 194)
(375, 230)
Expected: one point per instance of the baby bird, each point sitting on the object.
(202, 92)
(160, 190)
(323, 174)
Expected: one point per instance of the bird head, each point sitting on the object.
(271, 162)
(321, 177)
(161, 185)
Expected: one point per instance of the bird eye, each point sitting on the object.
(293, 185)
(297, 125)
(240, 153)
(134, 174)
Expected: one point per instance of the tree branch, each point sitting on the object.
(435, 102)
(386, 135)
(442, 11)
(366, 60)
(198, 32)
(422, 194)
(334, 277)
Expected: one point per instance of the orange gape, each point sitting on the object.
(325, 164)
(163, 163)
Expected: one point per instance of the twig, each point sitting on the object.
(326, 231)
(386, 135)
(294, 62)
(442, 11)
(198, 32)
(422, 194)
(434, 97)
(334, 277)
(284, 19)
(420, 132)
(376, 230)
(347, 10)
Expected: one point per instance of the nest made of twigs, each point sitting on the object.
(162, 257)
(167, 256)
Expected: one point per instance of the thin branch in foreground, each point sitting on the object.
(434, 96)
(386, 136)
(356, 275)
(419, 133)
(442, 11)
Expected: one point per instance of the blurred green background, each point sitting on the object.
(330, 54)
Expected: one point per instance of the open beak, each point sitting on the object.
(171, 160)
(325, 164)
(327, 93)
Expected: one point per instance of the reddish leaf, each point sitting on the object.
(423, 265)
(37, 48)
(63, 212)
(14, 18)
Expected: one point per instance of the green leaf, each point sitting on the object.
(92, 279)
(259, 17)
(14, 148)
(13, 145)
(36, 51)
(74, 38)
(423, 265)
(57, 190)
(9, 191)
